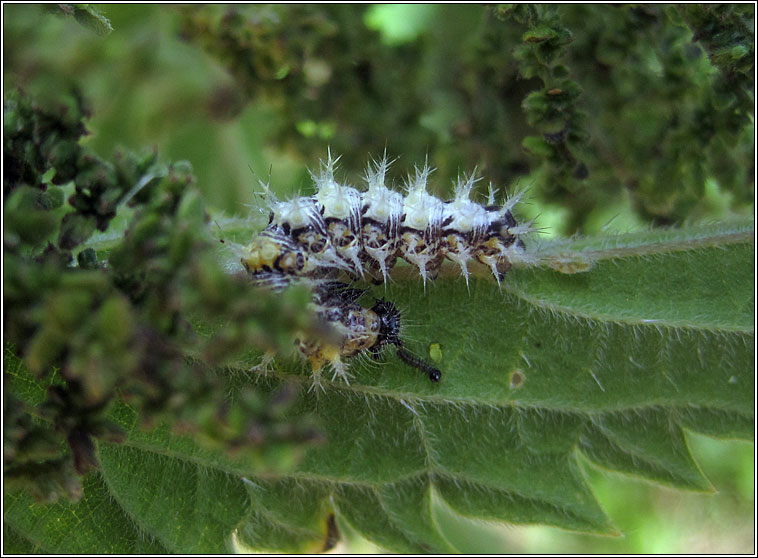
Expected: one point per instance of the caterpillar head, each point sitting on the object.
(389, 323)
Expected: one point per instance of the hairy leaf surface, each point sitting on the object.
(652, 338)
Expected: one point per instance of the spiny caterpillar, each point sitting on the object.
(359, 330)
(340, 229)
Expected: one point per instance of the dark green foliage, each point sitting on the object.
(553, 109)
(642, 110)
(93, 334)
(654, 118)
(40, 138)
(655, 112)
(624, 95)
(727, 33)
(85, 14)
(296, 56)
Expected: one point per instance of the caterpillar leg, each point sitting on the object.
(316, 384)
(340, 369)
(265, 365)
(322, 354)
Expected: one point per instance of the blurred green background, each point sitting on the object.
(614, 118)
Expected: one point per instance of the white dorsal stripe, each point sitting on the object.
(361, 230)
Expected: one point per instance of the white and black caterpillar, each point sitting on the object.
(340, 229)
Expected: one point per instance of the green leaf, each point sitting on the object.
(537, 145)
(14, 543)
(611, 347)
(97, 524)
(87, 16)
(179, 504)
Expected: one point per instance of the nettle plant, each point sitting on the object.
(179, 381)
(139, 416)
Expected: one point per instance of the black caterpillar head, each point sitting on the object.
(389, 316)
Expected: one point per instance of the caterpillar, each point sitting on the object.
(356, 330)
(340, 229)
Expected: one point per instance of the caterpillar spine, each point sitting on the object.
(341, 229)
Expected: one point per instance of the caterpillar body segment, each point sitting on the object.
(342, 230)
(357, 330)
